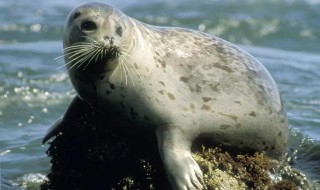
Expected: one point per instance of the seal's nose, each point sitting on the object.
(109, 39)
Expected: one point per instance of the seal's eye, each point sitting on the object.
(88, 25)
(119, 31)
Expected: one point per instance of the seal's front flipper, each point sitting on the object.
(182, 170)
(53, 130)
(75, 109)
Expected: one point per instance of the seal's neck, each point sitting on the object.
(139, 39)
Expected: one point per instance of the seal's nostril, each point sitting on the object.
(109, 39)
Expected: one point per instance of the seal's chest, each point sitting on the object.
(124, 101)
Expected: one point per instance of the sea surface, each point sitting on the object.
(34, 90)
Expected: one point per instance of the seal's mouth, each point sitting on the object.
(103, 54)
(90, 55)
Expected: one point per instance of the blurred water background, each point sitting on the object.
(283, 34)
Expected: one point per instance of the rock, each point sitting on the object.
(96, 152)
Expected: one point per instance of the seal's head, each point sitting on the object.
(97, 37)
(94, 35)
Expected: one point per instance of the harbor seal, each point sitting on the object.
(179, 83)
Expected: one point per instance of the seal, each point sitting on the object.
(182, 84)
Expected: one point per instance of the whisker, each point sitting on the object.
(125, 73)
(79, 59)
(82, 54)
(126, 58)
(93, 40)
(128, 71)
(100, 55)
(73, 48)
(75, 56)
(89, 57)
(121, 70)
(79, 44)
(59, 57)
(93, 54)
(73, 59)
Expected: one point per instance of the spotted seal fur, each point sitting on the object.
(180, 83)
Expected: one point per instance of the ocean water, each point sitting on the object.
(34, 91)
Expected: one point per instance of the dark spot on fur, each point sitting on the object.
(198, 88)
(223, 67)
(206, 99)
(171, 96)
(205, 107)
(146, 118)
(108, 92)
(122, 96)
(223, 126)
(233, 117)
(161, 92)
(134, 115)
(184, 79)
(192, 107)
(191, 88)
(183, 115)
(238, 125)
(237, 102)
(163, 64)
(279, 134)
(112, 86)
(214, 87)
(253, 114)
(162, 83)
